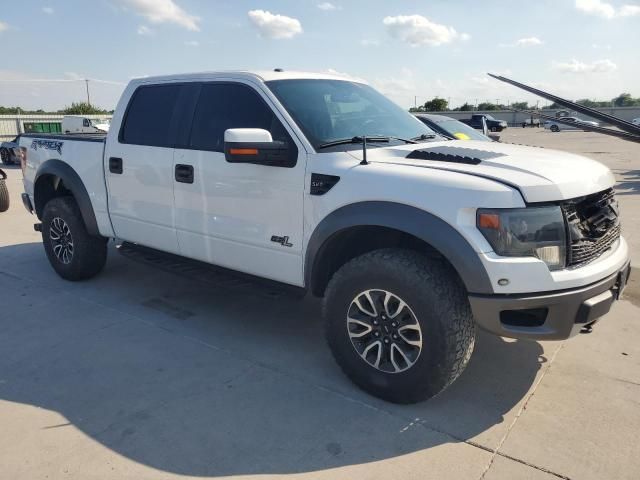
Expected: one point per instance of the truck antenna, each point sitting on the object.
(364, 151)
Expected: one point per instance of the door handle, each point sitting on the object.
(115, 165)
(184, 173)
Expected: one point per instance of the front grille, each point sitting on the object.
(593, 226)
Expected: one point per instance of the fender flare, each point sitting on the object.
(75, 185)
(414, 221)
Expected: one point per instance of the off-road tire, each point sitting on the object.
(434, 292)
(4, 155)
(4, 196)
(89, 252)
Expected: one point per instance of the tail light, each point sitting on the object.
(22, 153)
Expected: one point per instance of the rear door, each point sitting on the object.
(139, 168)
(240, 216)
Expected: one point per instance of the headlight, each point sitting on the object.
(526, 232)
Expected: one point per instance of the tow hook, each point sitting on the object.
(37, 227)
(587, 329)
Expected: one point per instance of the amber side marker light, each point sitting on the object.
(489, 220)
(243, 151)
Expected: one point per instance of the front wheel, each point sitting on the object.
(73, 253)
(555, 128)
(399, 324)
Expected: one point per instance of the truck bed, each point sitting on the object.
(83, 137)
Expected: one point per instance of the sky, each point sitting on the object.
(411, 50)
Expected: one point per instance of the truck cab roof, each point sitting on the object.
(250, 75)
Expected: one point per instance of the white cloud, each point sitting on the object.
(163, 11)
(606, 10)
(328, 6)
(528, 42)
(144, 30)
(367, 42)
(523, 42)
(275, 26)
(48, 10)
(417, 30)
(576, 66)
(3, 27)
(192, 43)
(629, 10)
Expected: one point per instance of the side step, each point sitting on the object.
(209, 274)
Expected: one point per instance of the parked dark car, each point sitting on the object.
(9, 152)
(450, 127)
(493, 125)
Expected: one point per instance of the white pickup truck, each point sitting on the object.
(321, 183)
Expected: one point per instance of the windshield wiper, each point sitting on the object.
(424, 136)
(345, 141)
(374, 139)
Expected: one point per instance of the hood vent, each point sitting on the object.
(467, 156)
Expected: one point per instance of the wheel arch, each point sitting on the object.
(335, 241)
(56, 178)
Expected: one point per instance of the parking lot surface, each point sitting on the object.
(141, 374)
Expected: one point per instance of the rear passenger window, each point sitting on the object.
(148, 117)
(222, 106)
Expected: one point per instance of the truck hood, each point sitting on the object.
(540, 175)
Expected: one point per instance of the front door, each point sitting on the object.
(139, 169)
(240, 216)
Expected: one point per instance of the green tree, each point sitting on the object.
(625, 100)
(436, 105)
(82, 108)
(520, 105)
(487, 106)
(465, 107)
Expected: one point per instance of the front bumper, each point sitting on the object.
(549, 315)
(26, 201)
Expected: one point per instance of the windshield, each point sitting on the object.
(461, 131)
(100, 121)
(330, 110)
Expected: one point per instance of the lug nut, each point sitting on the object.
(395, 337)
(376, 334)
(386, 340)
(394, 324)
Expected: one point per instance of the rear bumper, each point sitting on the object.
(551, 315)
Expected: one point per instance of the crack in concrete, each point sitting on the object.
(515, 420)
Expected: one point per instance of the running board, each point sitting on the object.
(208, 274)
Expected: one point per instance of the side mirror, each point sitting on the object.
(254, 145)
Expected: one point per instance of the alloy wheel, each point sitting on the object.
(384, 331)
(61, 240)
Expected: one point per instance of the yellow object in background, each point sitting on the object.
(461, 136)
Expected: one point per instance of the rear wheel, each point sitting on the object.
(555, 128)
(72, 252)
(399, 324)
(4, 196)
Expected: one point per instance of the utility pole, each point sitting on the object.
(86, 81)
(415, 102)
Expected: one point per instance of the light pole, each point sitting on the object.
(86, 81)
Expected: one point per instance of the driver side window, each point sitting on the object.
(231, 105)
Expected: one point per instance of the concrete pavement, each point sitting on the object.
(141, 374)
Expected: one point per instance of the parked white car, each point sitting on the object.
(576, 124)
(80, 124)
(322, 184)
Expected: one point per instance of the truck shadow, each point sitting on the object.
(204, 381)
(629, 184)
